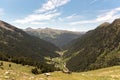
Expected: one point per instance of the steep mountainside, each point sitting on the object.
(96, 49)
(18, 44)
(57, 37)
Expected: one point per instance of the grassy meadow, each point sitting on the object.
(20, 72)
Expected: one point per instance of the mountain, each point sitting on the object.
(96, 49)
(17, 44)
(57, 37)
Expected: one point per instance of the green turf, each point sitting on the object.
(19, 72)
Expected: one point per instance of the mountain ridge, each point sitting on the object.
(16, 44)
(96, 49)
(55, 36)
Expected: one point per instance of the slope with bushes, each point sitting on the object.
(96, 49)
(19, 47)
(19, 72)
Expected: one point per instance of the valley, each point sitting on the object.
(60, 40)
(88, 57)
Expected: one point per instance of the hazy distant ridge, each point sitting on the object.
(57, 37)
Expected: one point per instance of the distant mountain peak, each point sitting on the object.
(47, 28)
(29, 28)
(55, 36)
(51, 30)
(116, 21)
(104, 24)
(7, 26)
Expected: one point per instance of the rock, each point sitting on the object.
(41, 79)
(7, 72)
(83, 74)
(6, 77)
(32, 78)
(47, 74)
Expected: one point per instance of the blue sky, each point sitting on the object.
(74, 15)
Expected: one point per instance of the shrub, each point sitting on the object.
(1, 63)
(35, 71)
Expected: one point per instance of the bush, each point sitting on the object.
(1, 63)
(35, 71)
(9, 65)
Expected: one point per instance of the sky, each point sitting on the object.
(73, 15)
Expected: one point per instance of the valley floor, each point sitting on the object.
(19, 72)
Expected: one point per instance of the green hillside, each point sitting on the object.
(19, 72)
(19, 47)
(14, 41)
(97, 48)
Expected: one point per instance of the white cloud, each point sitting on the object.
(83, 22)
(74, 29)
(107, 16)
(36, 23)
(93, 1)
(60, 19)
(51, 5)
(1, 11)
(71, 16)
(48, 11)
(38, 17)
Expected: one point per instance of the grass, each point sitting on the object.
(19, 72)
